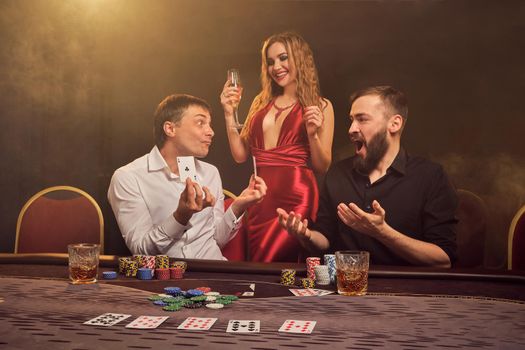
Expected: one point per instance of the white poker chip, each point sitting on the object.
(211, 298)
(214, 306)
(212, 293)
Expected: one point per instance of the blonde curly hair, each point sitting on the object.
(300, 54)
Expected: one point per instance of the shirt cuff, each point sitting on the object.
(231, 219)
(173, 229)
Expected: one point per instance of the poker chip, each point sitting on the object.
(211, 298)
(155, 297)
(329, 260)
(198, 298)
(172, 290)
(204, 289)
(122, 261)
(131, 268)
(311, 262)
(322, 277)
(160, 303)
(162, 274)
(215, 306)
(230, 297)
(223, 301)
(288, 277)
(162, 262)
(172, 307)
(144, 273)
(109, 275)
(176, 273)
(194, 305)
(181, 264)
(212, 293)
(307, 283)
(194, 292)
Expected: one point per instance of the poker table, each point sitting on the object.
(405, 308)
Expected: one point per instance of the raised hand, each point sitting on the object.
(294, 224)
(251, 195)
(192, 200)
(371, 224)
(230, 98)
(313, 118)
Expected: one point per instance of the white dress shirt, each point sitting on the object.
(144, 194)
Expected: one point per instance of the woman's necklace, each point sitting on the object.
(280, 110)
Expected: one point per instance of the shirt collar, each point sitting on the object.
(400, 162)
(156, 161)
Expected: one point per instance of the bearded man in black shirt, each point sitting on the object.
(399, 207)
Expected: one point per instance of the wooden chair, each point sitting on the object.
(516, 244)
(472, 226)
(58, 216)
(234, 250)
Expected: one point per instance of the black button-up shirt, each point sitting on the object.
(415, 193)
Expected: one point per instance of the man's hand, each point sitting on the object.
(372, 224)
(251, 195)
(294, 224)
(192, 201)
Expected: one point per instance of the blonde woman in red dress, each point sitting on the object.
(289, 130)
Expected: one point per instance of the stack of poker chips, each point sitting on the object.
(176, 273)
(311, 262)
(322, 277)
(307, 282)
(147, 261)
(329, 260)
(162, 262)
(145, 273)
(288, 277)
(109, 275)
(130, 268)
(181, 264)
(122, 264)
(162, 274)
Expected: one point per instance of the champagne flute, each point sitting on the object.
(235, 80)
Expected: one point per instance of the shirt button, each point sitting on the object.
(367, 185)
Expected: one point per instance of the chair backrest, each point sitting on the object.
(58, 216)
(472, 226)
(516, 244)
(234, 250)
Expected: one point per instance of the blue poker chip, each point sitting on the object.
(160, 303)
(109, 275)
(175, 291)
(194, 292)
(144, 273)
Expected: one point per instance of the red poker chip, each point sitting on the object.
(162, 274)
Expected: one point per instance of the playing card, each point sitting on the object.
(254, 166)
(187, 168)
(248, 294)
(197, 323)
(107, 319)
(243, 326)
(310, 292)
(298, 326)
(304, 292)
(147, 322)
(252, 286)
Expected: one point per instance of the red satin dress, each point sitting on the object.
(291, 186)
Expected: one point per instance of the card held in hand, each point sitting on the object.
(187, 168)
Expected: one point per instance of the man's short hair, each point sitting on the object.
(394, 99)
(171, 109)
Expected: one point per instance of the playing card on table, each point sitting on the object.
(107, 319)
(187, 168)
(243, 326)
(248, 294)
(310, 292)
(197, 323)
(298, 326)
(147, 322)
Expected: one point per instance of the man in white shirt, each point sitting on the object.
(158, 213)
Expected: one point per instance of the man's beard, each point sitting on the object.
(375, 151)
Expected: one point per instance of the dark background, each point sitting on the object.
(80, 79)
